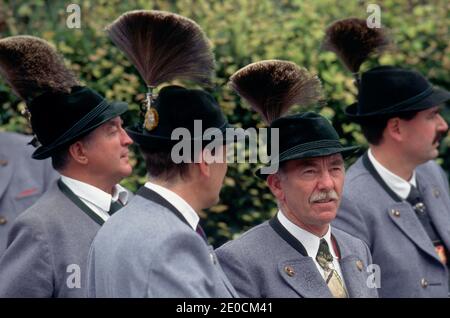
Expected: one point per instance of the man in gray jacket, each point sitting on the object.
(297, 253)
(22, 180)
(155, 247)
(48, 244)
(396, 197)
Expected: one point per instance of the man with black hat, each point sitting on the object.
(297, 253)
(82, 132)
(155, 246)
(396, 198)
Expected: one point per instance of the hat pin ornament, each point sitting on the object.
(151, 117)
(27, 114)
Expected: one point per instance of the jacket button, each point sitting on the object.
(3, 220)
(424, 283)
(289, 270)
(395, 212)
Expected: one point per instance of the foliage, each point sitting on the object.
(242, 31)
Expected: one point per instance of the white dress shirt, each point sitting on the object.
(311, 243)
(178, 202)
(400, 186)
(97, 200)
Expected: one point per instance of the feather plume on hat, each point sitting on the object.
(31, 66)
(353, 41)
(163, 46)
(271, 87)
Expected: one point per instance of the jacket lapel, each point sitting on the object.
(6, 172)
(222, 275)
(355, 279)
(298, 270)
(76, 200)
(302, 276)
(352, 267)
(402, 215)
(436, 205)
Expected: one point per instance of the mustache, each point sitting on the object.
(323, 195)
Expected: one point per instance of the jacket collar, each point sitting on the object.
(158, 199)
(300, 273)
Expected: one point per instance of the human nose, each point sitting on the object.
(126, 140)
(443, 126)
(325, 181)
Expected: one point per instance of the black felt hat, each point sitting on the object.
(305, 135)
(386, 91)
(179, 107)
(383, 91)
(58, 119)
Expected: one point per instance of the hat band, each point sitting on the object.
(204, 136)
(407, 102)
(86, 119)
(320, 144)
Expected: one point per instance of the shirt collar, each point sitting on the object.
(178, 202)
(94, 195)
(310, 241)
(400, 186)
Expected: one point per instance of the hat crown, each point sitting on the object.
(387, 86)
(303, 128)
(52, 114)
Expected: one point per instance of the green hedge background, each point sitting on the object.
(242, 31)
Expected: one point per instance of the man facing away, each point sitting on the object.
(155, 247)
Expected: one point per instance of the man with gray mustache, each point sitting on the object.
(297, 253)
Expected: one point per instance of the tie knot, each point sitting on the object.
(413, 196)
(324, 256)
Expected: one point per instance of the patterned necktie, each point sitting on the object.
(415, 199)
(332, 278)
(114, 207)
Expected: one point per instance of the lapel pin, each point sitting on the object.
(436, 192)
(289, 270)
(359, 265)
(395, 212)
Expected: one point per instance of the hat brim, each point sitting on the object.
(314, 153)
(114, 109)
(155, 142)
(437, 97)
